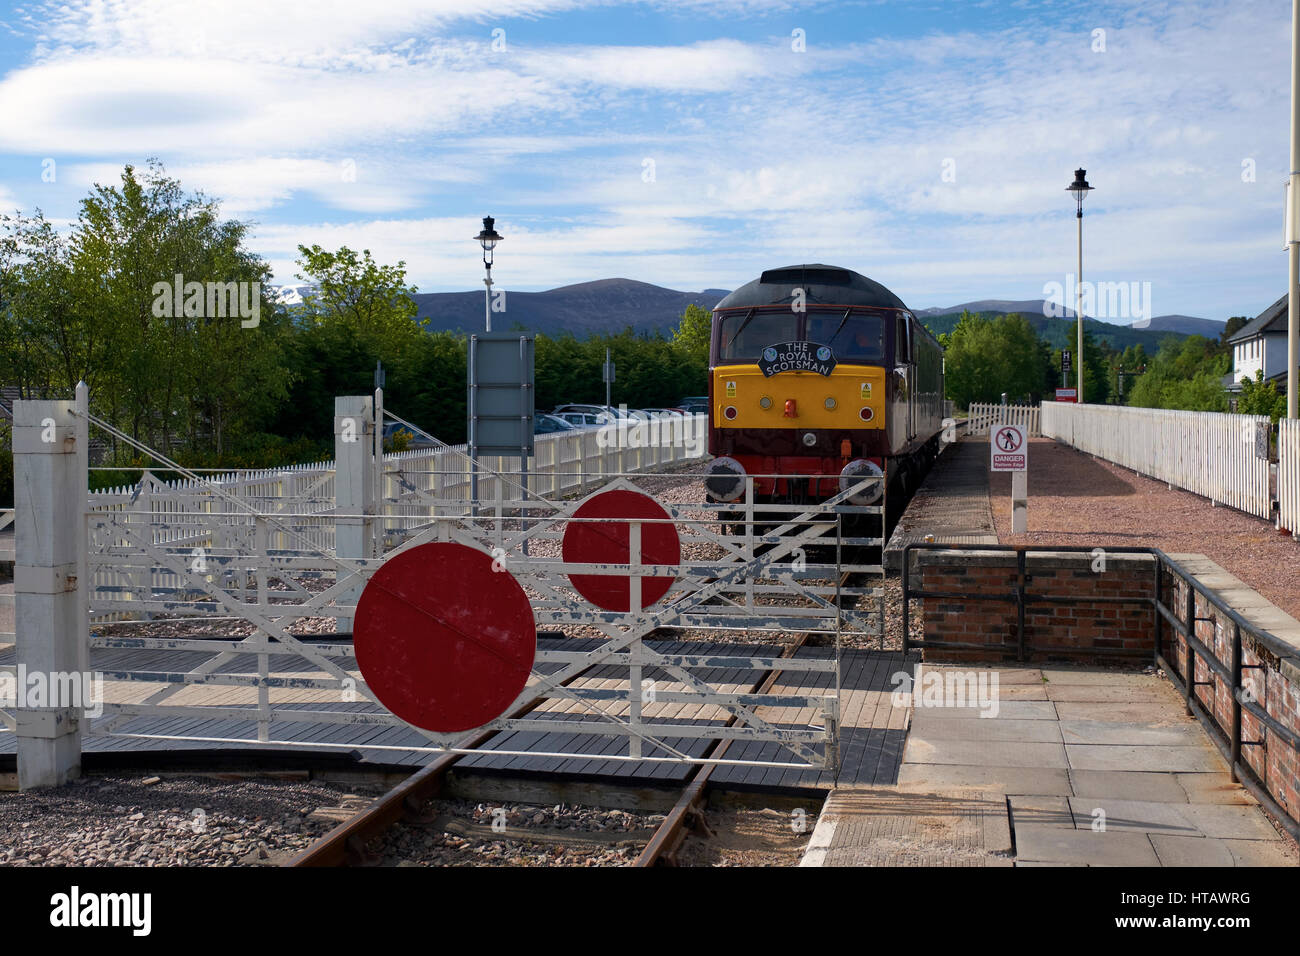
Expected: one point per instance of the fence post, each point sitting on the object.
(354, 485)
(50, 590)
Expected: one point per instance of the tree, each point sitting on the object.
(84, 306)
(355, 291)
(1232, 327)
(1259, 397)
(1187, 374)
(1096, 369)
(986, 358)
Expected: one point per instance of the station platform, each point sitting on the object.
(952, 504)
(1075, 767)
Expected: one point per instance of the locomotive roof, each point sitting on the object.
(822, 284)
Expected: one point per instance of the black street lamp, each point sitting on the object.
(1080, 189)
(488, 239)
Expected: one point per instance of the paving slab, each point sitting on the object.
(1191, 851)
(1022, 691)
(1008, 780)
(1052, 844)
(1037, 808)
(1128, 785)
(982, 728)
(983, 753)
(1117, 712)
(1028, 863)
(1106, 693)
(1140, 816)
(1071, 675)
(1137, 734)
(1171, 759)
(1229, 822)
(1213, 787)
(1262, 853)
(1010, 710)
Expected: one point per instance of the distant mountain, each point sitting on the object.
(1183, 324)
(995, 307)
(606, 305)
(1059, 333)
(1186, 324)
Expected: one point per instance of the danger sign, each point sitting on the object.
(1007, 448)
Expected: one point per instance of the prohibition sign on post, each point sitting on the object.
(600, 532)
(1007, 448)
(444, 637)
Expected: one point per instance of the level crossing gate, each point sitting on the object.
(221, 617)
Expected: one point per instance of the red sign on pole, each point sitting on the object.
(608, 542)
(1067, 394)
(445, 637)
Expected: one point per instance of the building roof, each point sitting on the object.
(1272, 319)
(822, 285)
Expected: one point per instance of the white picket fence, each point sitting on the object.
(982, 416)
(1288, 474)
(1211, 454)
(301, 498)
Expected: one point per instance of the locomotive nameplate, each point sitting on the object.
(796, 357)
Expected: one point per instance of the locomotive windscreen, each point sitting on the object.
(853, 335)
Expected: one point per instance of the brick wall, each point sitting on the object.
(1274, 680)
(1083, 631)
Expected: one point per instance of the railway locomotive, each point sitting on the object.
(819, 376)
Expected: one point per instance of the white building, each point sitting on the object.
(1260, 344)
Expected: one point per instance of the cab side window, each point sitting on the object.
(902, 342)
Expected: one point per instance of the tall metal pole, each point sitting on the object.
(1293, 252)
(487, 299)
(1078, 302)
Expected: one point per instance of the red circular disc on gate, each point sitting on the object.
(606, 542)
(445, 642)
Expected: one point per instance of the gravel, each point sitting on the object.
(1075, 499)
(177, 821)
(462, 835)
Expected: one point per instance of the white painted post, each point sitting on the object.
(50, 589)
(1019, 502)
(354, 490)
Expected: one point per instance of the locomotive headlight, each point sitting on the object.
(730, 412)
(809, 439)
(765, 402)
(726, 479)
(854, 472)
(865, 413)
(829, 403)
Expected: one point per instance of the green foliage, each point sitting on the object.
(1185, 374)
(986, 358)
(85, 307)
(1232, 327)
(1259, 397)
(6, 464)
(1096, 367)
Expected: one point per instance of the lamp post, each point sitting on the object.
(1293, 238)
(488, 239)
(1080, 189)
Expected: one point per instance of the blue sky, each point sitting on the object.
(926, 144)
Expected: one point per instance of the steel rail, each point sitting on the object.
(688, 812)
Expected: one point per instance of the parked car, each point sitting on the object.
(544, 424)
(665, 412)
(613, 413)
(583, 419)
(695, 404)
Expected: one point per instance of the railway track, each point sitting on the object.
(411, 801)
